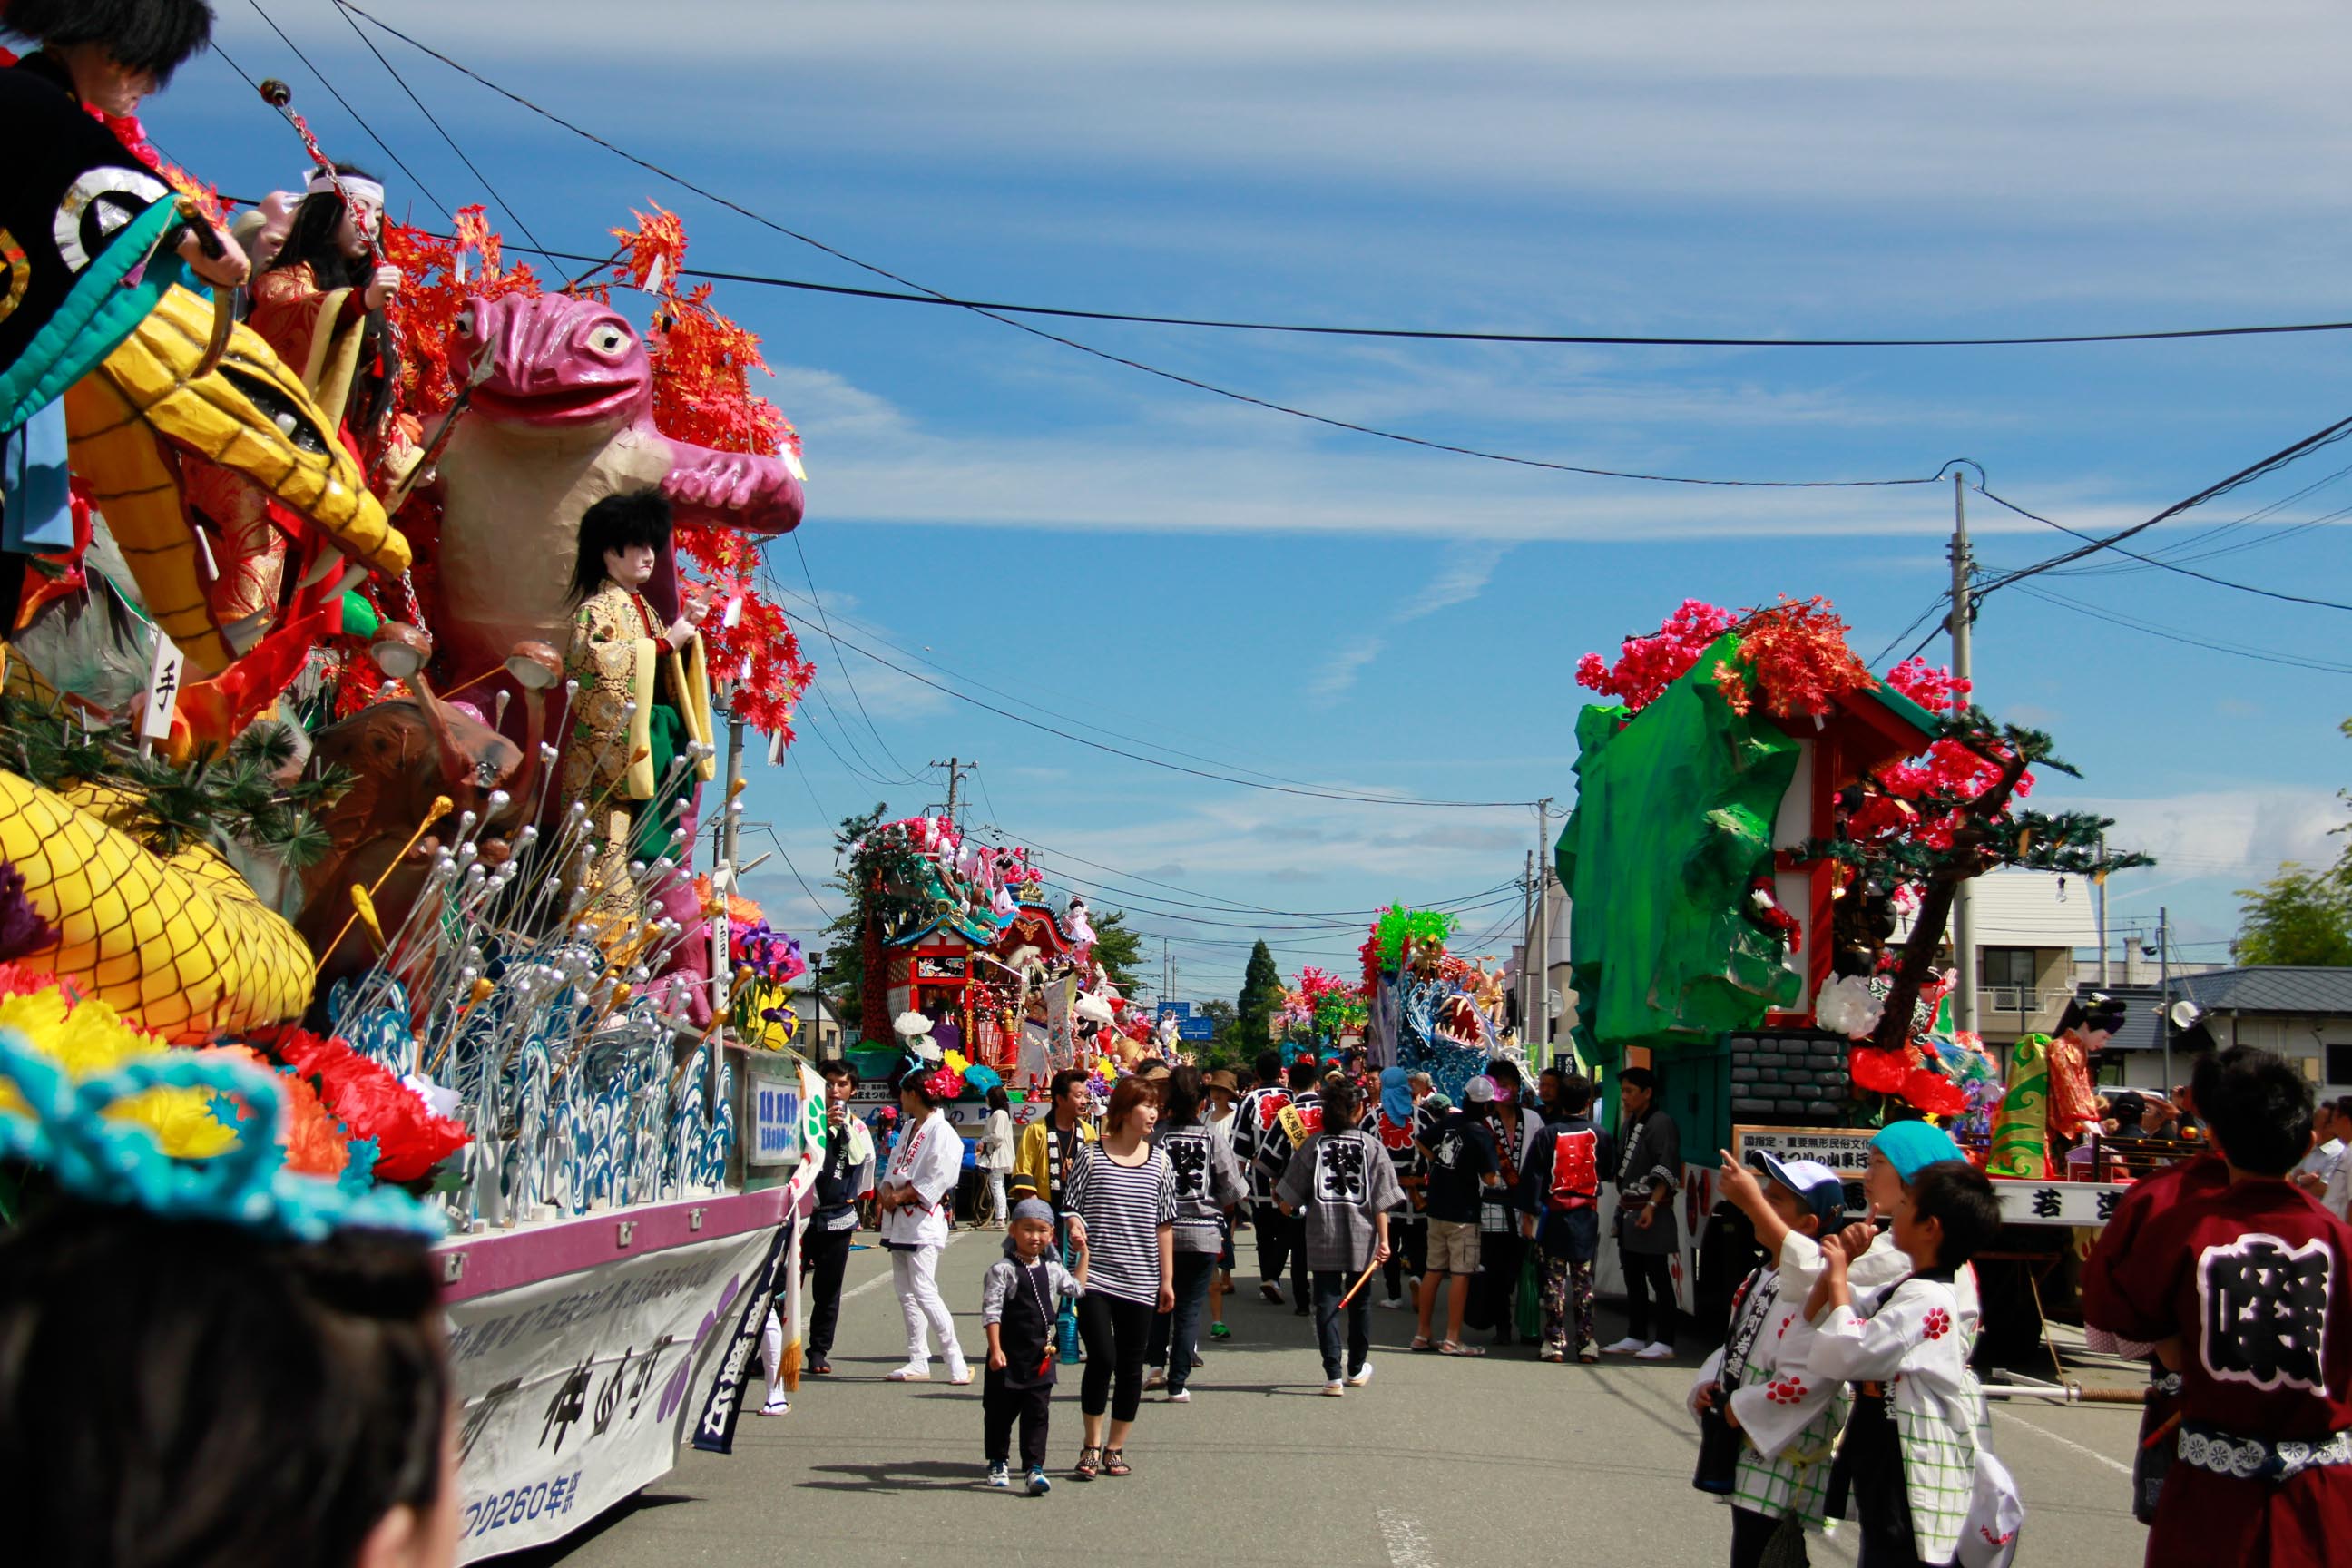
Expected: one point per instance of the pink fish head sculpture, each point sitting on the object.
(563, 419)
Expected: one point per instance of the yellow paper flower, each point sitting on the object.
(956, 1063)
(87, 1037)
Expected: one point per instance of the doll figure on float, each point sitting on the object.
(644, 701)
(319, 300)
(2082, 1029)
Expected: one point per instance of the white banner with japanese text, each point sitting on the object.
(576, 1391)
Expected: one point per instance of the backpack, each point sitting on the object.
(1575, 1181)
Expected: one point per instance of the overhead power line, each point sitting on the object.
(2114, 618)
(1329, 421)
(2326, 436)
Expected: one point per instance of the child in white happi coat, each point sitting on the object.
(1922, 1483)
(1788, 1418)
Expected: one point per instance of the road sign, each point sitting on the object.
(1175, 1009)
(1193, 1029)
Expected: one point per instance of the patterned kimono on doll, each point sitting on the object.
(640, 706)
(1790, 1413)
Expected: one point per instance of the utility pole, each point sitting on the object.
(1539, 939)
(957, 768)
(2164, 988)
(1528, 931)
(1964, 948)
(2099, 890)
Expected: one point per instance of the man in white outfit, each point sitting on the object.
(918, 1193)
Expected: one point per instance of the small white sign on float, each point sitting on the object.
(779, 1111)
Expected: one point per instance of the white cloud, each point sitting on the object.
(2242, 834)
(1340, 671)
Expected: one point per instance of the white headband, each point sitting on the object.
(359, 187)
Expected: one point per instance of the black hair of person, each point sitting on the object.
(998, 1100)
(1062, 1082)
(1957, 1197)
(181, 1391)
(313, 239)
(1639, 1078)
(2260, 1112)
(1504, 1071)
(617, 522)
(1269, 1067)
(839, 1068)
(1302, 1074)
(918, 1084)
(2104, 1015)
(1575, 1093)
(1181, 1096)
(1341, 1101)
(157, 36)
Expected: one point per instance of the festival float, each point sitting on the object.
(318, 754)
(967, 969)
(1765, 848)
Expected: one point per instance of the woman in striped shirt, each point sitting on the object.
(1121, 1202)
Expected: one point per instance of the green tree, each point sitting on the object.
(2300, 916)
(1262, 994)
(844, 939)
(1118, 949)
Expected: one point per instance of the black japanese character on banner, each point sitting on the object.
(1339, 1172)
(2264, 1311)
(569, 1403)
(608, 1398)
(1189, 1158)
(478, 1420)
(2045, 1203)
(2107, 1200)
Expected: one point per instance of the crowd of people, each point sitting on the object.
(1839, 1386)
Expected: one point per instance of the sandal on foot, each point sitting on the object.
(1453, 1347)
(1115, 1462)
(1089, 1464)
(1421, 1342)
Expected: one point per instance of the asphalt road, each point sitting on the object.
(1440, 1463)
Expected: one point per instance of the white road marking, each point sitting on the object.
(1407, 1547)
(2112, 1463)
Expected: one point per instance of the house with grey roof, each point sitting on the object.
(2302, 1012)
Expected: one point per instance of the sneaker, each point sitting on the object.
(1155, 1377)
(1180, 1396)
(1219, 1331)
(1657, 1350)
(1361, 1376)
(1000, 1476)
(913, 1372)
(1269, 1291)
(1335, 1388)
(1038, 1485)
(1300, 1311)
(1625, 1346)
(779, 1406)
(1392, 1304)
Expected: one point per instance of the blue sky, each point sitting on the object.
(1323, 606)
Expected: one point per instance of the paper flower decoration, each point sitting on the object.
(316, 1143)
(908, 1025)
(1849, 1004)
(85, 1037)
(411, 1137)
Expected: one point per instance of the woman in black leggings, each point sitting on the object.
(1121, 1205)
